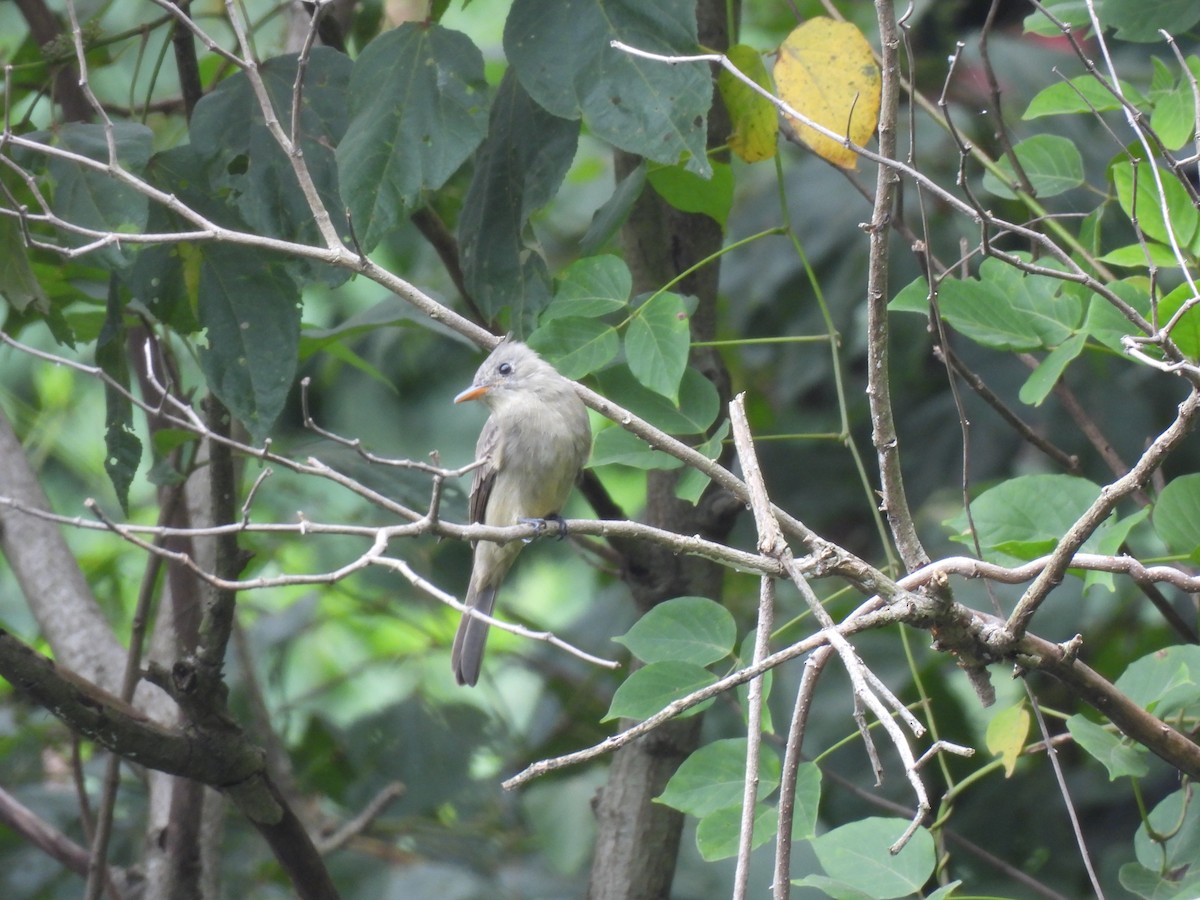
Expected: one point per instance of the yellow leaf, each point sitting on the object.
(1006, 735)
(827, 72)
(755, 122)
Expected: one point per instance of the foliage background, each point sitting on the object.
(353, 675)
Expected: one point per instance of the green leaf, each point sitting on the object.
(653, 687)
(1166, 682)
(657, 344)
(592, 286)
(688, 192)
(1186, 332)
(1083, 94)
(1006, 734)
(691, 483)
(858, 855)
(251, 311)
(1120, 757)
(1072, 12)
(718, 833)
(90, 198)
(1176, 516)
(613, 213)
(123, 449)
(418, 106)
(1147, 204)
(698, 401)
(1052, 164)
(518, 169)
(686, 629)
(576, 346)
(1107, 541)
(1152, 884)
(616, 446)
(1175, 846)
(563, 55)
(1106, 323)
(754, 118)
(1141, 256)
(1174, 116)
(1140, 20)
(245, 164)
(1025, 516)
(913, 297)
(18, 283)
(1008, 310)
(1041, 381)
(714, 777)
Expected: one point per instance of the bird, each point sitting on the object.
(530, 453)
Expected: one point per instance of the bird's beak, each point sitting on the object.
(474, 392)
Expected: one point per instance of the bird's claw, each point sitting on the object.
(541, 523)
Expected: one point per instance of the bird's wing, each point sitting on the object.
(487, 448)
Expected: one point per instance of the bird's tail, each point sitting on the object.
(466, 657)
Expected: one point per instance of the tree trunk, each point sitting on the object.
(638, 840)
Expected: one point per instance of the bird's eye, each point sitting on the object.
(505, 368)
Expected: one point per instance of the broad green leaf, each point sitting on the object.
(616, 446)
(1177, 819)
(686, 629)
(687, 191)
(123, 449)
(691, 483)
(418, 107)
(657, 344)
(1041, 380)
(831, 887)
(1120, 757)
(826, 70)
(1166, 682)
(1147, 205)
(576, 346)
(1008, 310)
(755, 120)
(562, 53)
(88, 197)
(1174, 116)
(1006, 734)
(1025, 516)
(613, 213)
(1083, 94)
(1176, 516)
(718, 833)
(1141, 20)
(1186, 332)
(1107, 541)
(652, 687)
(1106, 323)
(18, 283)
(714, 777)
(858, 855)
(1052, 164)
(913, 297)
(1153, 884)
(1072, 12)
(518, 169)
(698, 400)
(247, 167)
(592, 286)
(250, 310)
(1139, 256)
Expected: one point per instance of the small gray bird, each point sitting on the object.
(533, 446)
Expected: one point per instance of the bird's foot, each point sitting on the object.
(542, 523)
